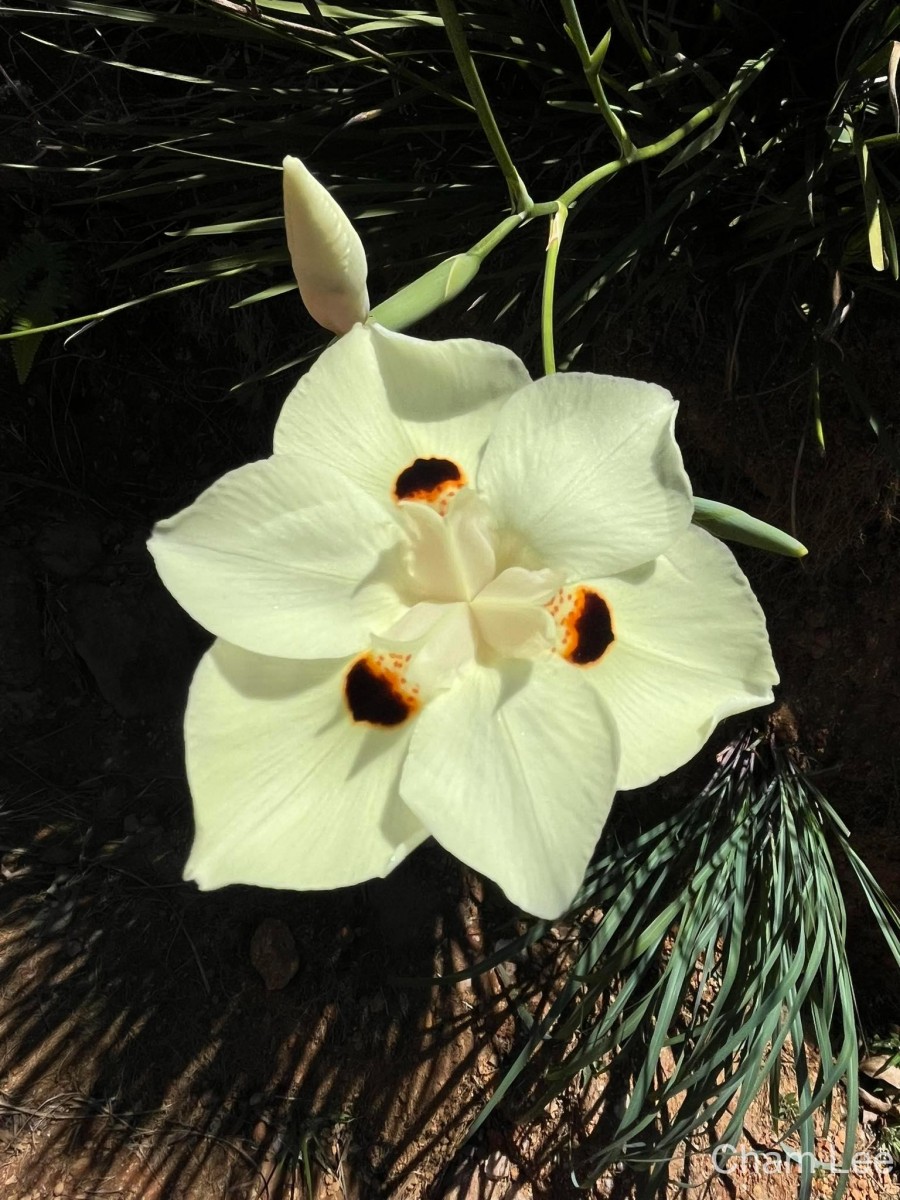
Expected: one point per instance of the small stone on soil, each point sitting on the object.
(496, 1166)
(273, 953)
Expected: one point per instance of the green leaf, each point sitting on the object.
(733, 525)
(880, 228)
(278, 289)
(747, 74)
(25, 348)
(34, 286)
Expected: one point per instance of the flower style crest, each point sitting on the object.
(453, 602)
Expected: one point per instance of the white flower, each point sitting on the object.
(327, 256)
(454, 602)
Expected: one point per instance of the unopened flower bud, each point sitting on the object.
(327, 255)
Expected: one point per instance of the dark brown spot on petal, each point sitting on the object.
(429, 479)
(585, 622)
(593, 630)
(376, 692)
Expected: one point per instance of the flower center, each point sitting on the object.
(464, 610)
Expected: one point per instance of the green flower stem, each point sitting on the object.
(518, 194)
(424, 295)
(591, 64)
(638, 154)
(492, 240)
(557, 224)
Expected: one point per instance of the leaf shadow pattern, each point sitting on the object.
(142, 1053)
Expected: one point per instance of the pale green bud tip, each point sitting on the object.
(734, 525)
(327, 256)
(427, 293)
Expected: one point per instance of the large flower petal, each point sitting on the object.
(376, 401)
(282, 557)
(690, 649)
(513, 770)
(586, 470)
(288, 792)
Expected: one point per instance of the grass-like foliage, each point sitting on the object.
(749, 157)
(720, 946)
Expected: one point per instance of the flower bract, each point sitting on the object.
(453, 602)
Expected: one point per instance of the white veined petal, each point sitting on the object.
(283, 557)
(586, 470)
(327, 256)
(514, 770)
(288, 792)
(690, 649)
(376, 401)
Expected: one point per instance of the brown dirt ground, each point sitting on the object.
(141, 1054)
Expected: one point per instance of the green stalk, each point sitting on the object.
(590, 65)
(492, 240)
(557, 224)
(640, 154)
(518, 193)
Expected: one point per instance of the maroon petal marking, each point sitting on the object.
(585, 623)
(376, 690)
(432, 481)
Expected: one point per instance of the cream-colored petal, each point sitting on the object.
(440, 642)
(586, 470)
(288, 791)
(513, 770)
(376, 401)
(284, 557)
(510, 612)
(450, 557)
(327, 256)
(690, 649)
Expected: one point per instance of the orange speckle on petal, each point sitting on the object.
(376, 690)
